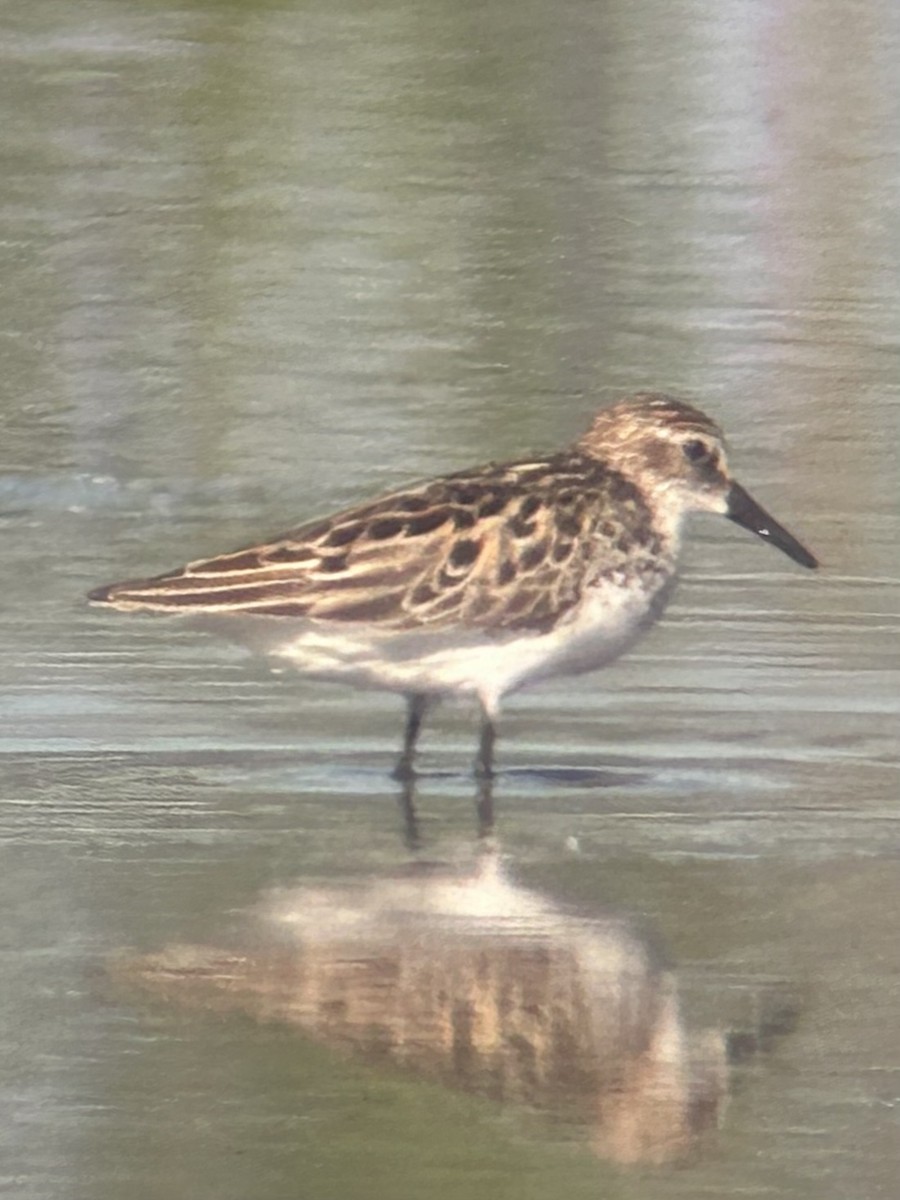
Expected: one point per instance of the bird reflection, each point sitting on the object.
(484, 809)
(623, 775)
(467, 979)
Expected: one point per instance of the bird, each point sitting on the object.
(481, 582)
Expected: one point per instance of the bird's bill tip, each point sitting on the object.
(746, 512)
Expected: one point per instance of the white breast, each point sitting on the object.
(458, 661)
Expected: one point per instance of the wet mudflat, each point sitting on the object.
(261, 262)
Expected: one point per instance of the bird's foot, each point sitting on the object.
(404, 771)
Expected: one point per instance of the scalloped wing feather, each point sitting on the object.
(504, 547)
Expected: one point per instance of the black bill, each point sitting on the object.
(743, 510)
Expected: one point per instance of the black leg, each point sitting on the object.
(484, 773)
(417, 705)
(484, 763)
(484, 805)
(407, 801)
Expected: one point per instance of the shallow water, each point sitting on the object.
(260, 261)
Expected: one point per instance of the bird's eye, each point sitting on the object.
(696, 451)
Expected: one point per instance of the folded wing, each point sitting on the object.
(502, 547)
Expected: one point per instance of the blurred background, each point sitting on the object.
(260, 260)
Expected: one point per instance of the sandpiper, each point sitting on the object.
(481, 582)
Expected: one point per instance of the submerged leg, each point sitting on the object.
(417, 705)
(407, 802)
(484, 771)
(484, 762)
(484, 805)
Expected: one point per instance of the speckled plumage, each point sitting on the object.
(481, 581)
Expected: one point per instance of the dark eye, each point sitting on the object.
(696, 451)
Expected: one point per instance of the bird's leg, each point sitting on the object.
(484, 762)
(407, 801)
(484, 773)
(484, 805)
(417, 705)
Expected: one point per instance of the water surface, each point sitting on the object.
(262, 260)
